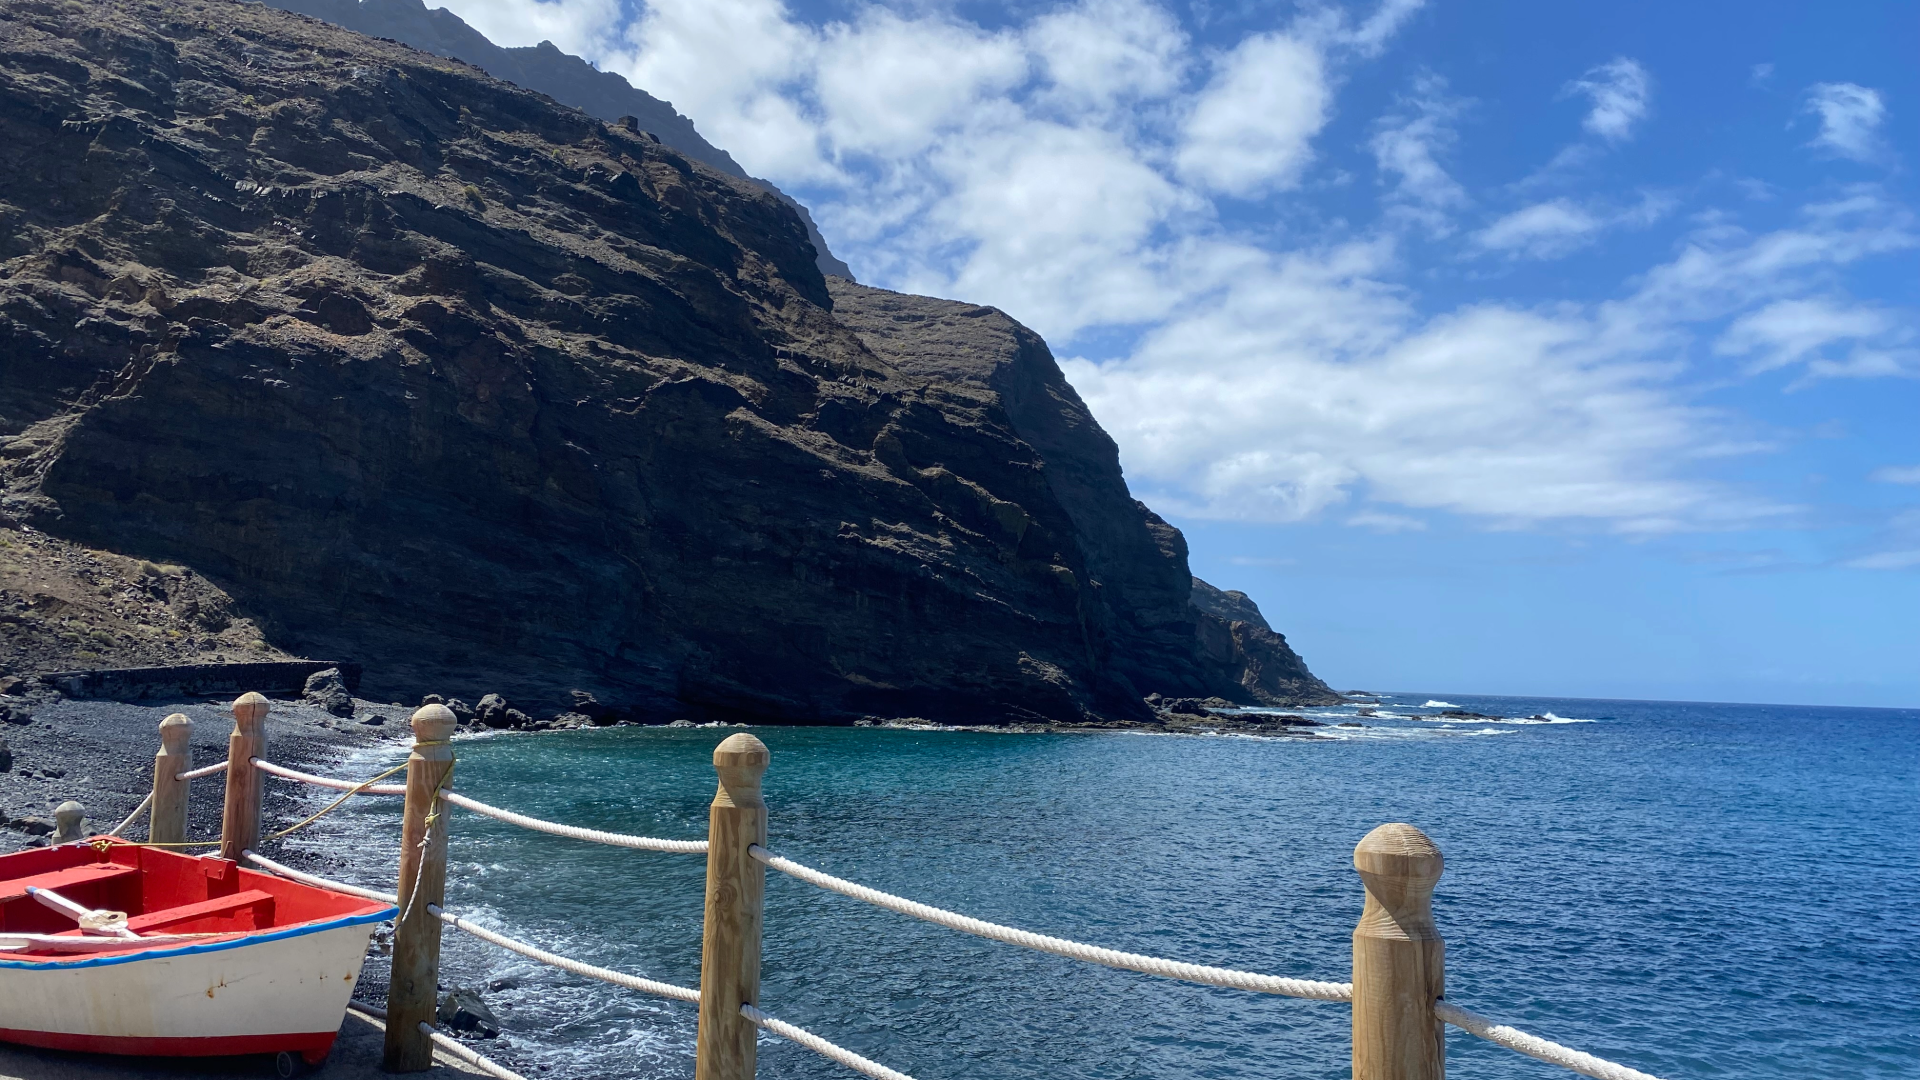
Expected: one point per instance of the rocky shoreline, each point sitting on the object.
(54, 748)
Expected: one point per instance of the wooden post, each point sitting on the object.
(412, 992)
(240, 818)
(167, 819)
(736, 883)
(1399, 961)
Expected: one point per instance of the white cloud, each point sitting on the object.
(1371, 36)
(1620, 91)
(1557, 227)
(1722, 270)
(1543, 230)
(1386, 523)
(734, 67)
(1899, 545)
(1250, 131)
(1897, 474)
(1306, 382)
(1791, 331)
(889, 86)
(1887, 560)
(1407, 144)
(582, 27)
(1070, 167)
(1105, 52)
(1850, 117)
(1060, 221)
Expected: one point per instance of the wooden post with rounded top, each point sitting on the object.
(240, 819)
(167, 819)
(736, 883)
(1399, 961)
(412, 992)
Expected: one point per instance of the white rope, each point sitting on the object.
(631, 982)
(1073, 950)
(354, 786)
(1534, 1046)
(137, 811)
(625, 840)
(460, 1050)
(821, 1046)
(205, 770)
(445, 1042)
(304, 878)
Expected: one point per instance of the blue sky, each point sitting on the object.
(1494, 347)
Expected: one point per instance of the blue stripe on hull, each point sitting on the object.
(212, 946)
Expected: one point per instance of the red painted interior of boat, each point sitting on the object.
(162, 891)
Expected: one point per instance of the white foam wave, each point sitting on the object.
(1439, 705)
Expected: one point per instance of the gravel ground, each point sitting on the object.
(101, 754)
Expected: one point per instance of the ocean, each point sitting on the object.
(1694, 890)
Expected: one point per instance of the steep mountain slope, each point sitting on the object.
(427, 371)
(561, 76)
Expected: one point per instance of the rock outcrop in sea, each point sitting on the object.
(427, 371)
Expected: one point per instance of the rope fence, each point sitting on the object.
(575, 832)
(821, 1046)
(208, 770)
(1534, 1046)
(1073, 950)
(354, 787)
(256, 859)
(534, 952)
(1401, 857)
(447, 1043)
(133, 817)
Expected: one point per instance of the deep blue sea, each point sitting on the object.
(1694, 890)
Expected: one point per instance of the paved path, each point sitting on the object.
(356, 1056)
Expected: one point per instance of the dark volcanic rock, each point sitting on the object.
(1229, 605)
(419, 366)
(464, 1010)
(566, 78)
(1139, 616)
(1235, 634)
(328, 691)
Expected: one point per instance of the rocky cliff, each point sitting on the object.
(563, 77)
(426, 370)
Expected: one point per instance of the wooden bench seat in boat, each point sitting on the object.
(73, 878)
(250, 909)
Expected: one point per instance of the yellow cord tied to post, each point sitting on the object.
(335, 804)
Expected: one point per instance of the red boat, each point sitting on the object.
(116, 948)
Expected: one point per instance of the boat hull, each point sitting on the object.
(258, 993)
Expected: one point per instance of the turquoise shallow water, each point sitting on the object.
(1693, 890)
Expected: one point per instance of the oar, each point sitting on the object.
(56, 943)
(92, 920)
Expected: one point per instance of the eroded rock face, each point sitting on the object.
(427, 371)
(567, 79)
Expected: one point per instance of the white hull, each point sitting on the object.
(272, 990)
